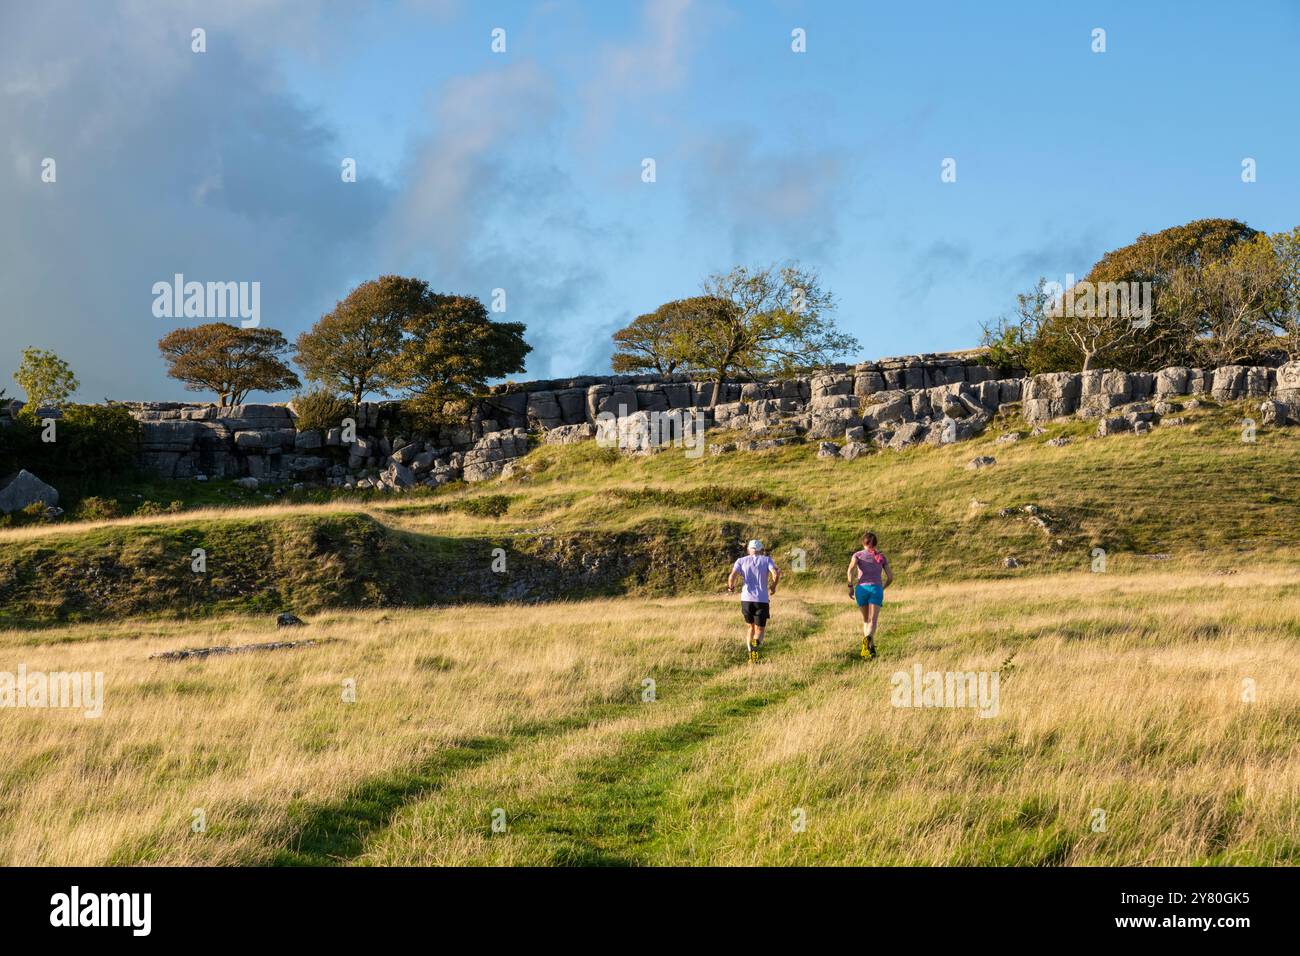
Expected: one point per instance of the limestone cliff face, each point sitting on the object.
(895, 403)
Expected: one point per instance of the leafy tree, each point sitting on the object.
(45, 379)
(229, 360)
(1180, 251)
(348, 349)
(1231, 304)
(1286, 247)
(647, 344)
(450, 350)
(1026, 341)
(1154, 257)
(1192, 292)
(771, 320)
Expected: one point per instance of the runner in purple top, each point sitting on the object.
(753, 570)
(869, 575)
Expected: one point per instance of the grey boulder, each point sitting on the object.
(20, 490)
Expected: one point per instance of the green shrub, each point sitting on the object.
(34, 513)
(92, 443)
(709, 496)
(98, 509)
(488, 506)
(149, 508)
(320, 410)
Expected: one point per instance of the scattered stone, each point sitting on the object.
(570, 434)
(854, 449)
(202, 652)
(981, 461)
(1059, 441)
(828, 449)
(249, 483)
(1010, 562)
(908, 434)
(397, 476)
(1008, 438)
(1113, 426)
(289, 620)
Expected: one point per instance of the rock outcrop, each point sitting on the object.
(892, 403)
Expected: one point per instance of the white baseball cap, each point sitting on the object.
(755, 545)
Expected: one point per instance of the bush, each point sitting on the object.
(708, 496)
(488, 506)
(98, 509)
(320, 410)
(34, 513)
(101, 438)
(92, 442)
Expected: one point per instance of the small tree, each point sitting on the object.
(45, 379)
(1233, 303)
(1015, 342)
(348, 349)
(1096, 331)
(450, 350)
(1286, 247)
(648, 343)
(228, 360)
(765, 321)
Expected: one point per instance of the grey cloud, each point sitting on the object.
(168, 161)
(781, 203)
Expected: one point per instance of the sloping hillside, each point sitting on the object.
(581, 520)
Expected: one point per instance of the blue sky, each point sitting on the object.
(521, 170)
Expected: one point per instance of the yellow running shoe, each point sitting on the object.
(753, 654)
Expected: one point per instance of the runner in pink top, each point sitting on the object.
(869, 575)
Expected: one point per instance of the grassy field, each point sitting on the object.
(1145, 715)
(1118, 695)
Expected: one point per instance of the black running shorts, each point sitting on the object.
(755, 612)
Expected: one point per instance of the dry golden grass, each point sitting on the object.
(1122, 694)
